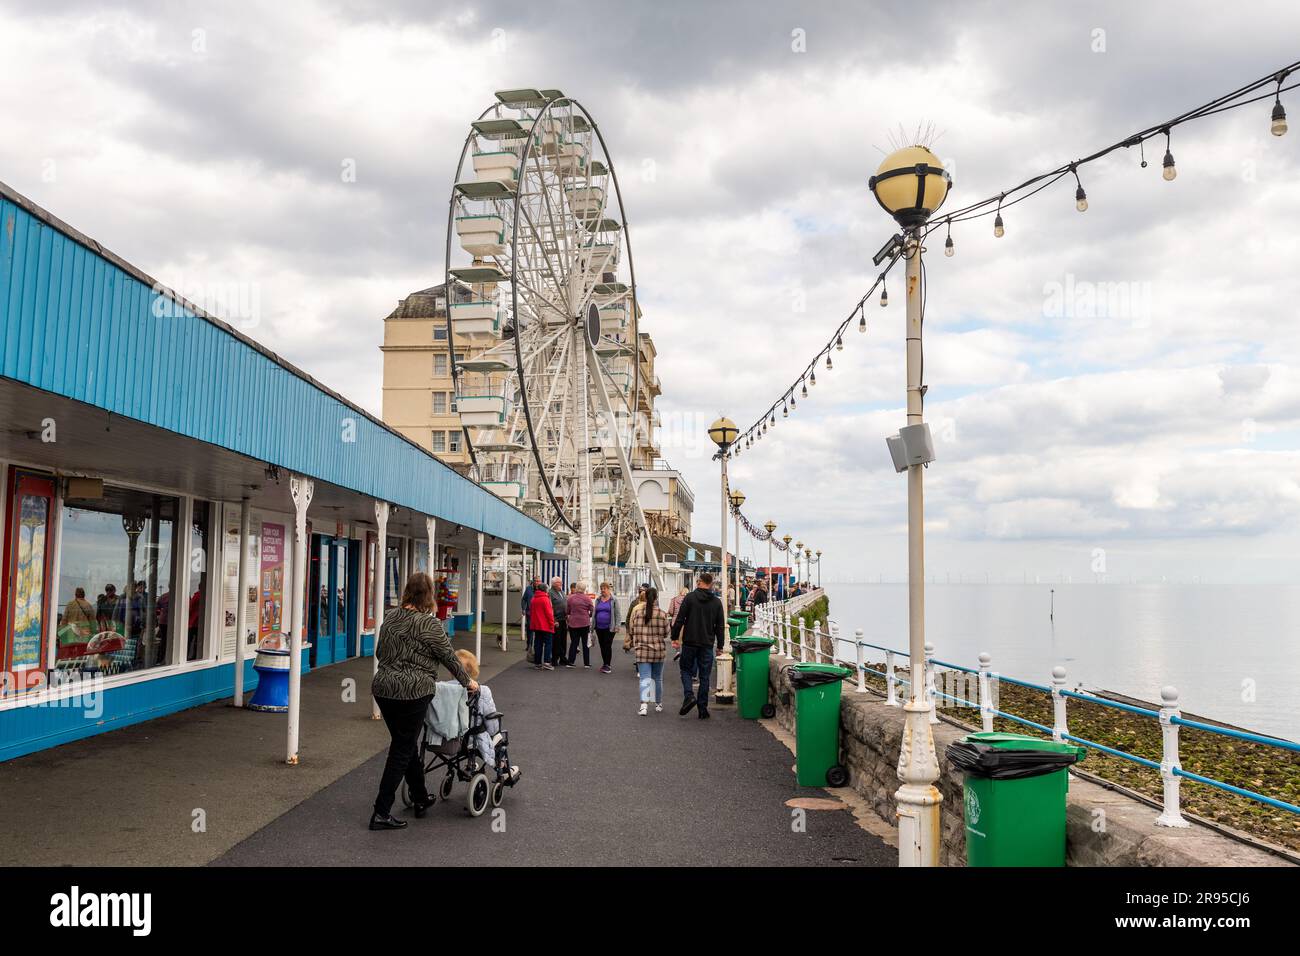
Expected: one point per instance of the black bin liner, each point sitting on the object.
(740, 646)
(1002, 763)
(799, 679)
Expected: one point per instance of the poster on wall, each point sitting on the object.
(271, 584)
(29, 581)
(230, 586)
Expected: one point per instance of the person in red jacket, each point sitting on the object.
(541, 621)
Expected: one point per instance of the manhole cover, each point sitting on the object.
(815, 803)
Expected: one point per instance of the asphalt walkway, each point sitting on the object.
(601, 786)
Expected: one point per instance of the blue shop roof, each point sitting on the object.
(195, 375)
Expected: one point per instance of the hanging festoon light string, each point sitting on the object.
(758, 532)
(1243, 96)
(806, 379)
(994, 206)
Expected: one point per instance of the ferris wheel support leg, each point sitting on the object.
(625, 466)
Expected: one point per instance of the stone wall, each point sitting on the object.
(1104, 827)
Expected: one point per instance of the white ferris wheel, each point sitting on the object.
(542, 281)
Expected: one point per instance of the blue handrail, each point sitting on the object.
(1093, 699)
(1239, 734)
(1239, 791)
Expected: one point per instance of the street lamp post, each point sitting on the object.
(910, 185)
(737, 499)
(724, 432)
(785, 581)
(807, 565)
(798, 562)
(819, 569)
(770, 527)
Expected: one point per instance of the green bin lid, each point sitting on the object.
(1006, 741)
(753, 643)
(824, 669)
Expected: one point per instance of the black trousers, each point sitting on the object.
(404, 719)
(558, 645)
(578, 638)
(606, 639)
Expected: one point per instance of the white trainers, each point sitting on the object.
(642, 711)
(659, 708)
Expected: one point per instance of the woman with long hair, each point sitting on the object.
(648, 632)
(604, 618)
(412, 643)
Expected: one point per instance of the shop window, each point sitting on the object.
(115, 582)
(196, 642)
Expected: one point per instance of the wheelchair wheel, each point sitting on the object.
(498, 793)
(444, 790)
(406, 795)
(480, 792)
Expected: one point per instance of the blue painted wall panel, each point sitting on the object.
(77, 324)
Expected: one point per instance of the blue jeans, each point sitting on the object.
(541, 647)
(697, 662)
(652, 678)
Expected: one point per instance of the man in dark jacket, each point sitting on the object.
(700, 626)
(560, 605)
(525, 602)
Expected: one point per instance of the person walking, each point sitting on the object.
(604, 618)
(559, 610)
(541, 623)
(578, 611)
(700, 625)
(647, 638)
(525, 602)
(412, 643)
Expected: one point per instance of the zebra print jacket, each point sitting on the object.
(411, 646)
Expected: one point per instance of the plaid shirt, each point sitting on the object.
(649, 640)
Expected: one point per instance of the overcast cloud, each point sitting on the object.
(1123, 380)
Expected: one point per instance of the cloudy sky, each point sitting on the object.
(1119, 386)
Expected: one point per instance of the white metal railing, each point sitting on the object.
(776, 621)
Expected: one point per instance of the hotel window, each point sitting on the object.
(116, 581)
(440, 403)
(440, 365)
(453, 441)
(439, 441)
(440, 331)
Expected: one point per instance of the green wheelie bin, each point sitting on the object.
(1015, 798)
(817, 724)
(750, 655)
(739, 621)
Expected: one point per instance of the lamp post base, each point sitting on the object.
(918, 798)
(724, 694)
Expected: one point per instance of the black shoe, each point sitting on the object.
(386, 822)
(704, 713)
(422, 806)
(687, 704)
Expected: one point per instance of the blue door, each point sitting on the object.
(334, 588)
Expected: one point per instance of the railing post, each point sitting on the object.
(930, 694)
(1059, 729)
(862, 663)
(817, 642)
(1170, 814)
(891, 681)
(986, 694)
(789, 645)
(803, 642)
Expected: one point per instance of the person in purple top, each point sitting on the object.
(605, 619)
(580, 606)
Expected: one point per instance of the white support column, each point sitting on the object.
(478, 603)
(431, 531)
(301, 490)
(1170, 814)
(930, 689)
(986, 693)
(862, 661)
(891, 681)
(1059, 727)
(241, 597)
(505, 596)
(381, 590)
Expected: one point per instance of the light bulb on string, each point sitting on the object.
(1080, 197)
(862, 320)
(785, 411)
(792, 401)
(839, 344)
(812, 379)
(998, 230)
(773, 421)
(1170, 170)
(947, 243)
(829, 364)
(884, 296)
(803, 389)
(1278, 126)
